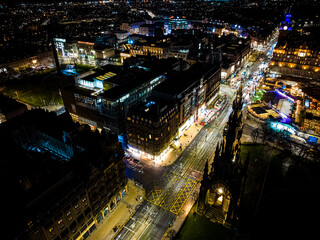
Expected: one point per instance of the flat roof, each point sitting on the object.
(99, 76)
(132, 81)
(178, 82)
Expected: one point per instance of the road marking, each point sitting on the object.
(165, 234)
(128, 229)
(182, 196)
(119, 230)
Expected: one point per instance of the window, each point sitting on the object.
(149, 136)
(61, 224)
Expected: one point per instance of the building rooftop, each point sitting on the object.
(178, 82)
(153, 109)
(131, 82)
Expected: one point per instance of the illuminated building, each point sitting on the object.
(157, 48)
(234, 55)
(102, 99)
(173, 107)
(190, 90)
(41, 58)
(86, 49)
(177, 23)
(66, 48)
(286, 25)
(151, 128)
(296, 55)
(132, 28)
(56, 200)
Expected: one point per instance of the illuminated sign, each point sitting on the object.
(85, 43)
(59, 40)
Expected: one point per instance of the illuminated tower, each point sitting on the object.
(287, 24)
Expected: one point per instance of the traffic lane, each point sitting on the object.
(153, 231)
(147, 177)
(158, 226)
(137, 221)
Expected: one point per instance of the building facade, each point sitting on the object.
(190, 90)
(102, 99)
(151, 128)
(299, 61)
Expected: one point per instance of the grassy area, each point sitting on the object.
(199, 227)
(259, 156)
(37, 90)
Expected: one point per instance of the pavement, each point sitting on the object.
(120, 215)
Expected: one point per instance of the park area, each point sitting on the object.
(36, 91)
(41, 89)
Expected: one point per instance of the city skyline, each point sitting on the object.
(159, 119)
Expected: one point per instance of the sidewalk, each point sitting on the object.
(172, 231)
(184, 141)
(120, 214)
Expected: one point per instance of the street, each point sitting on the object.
(169, 187)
